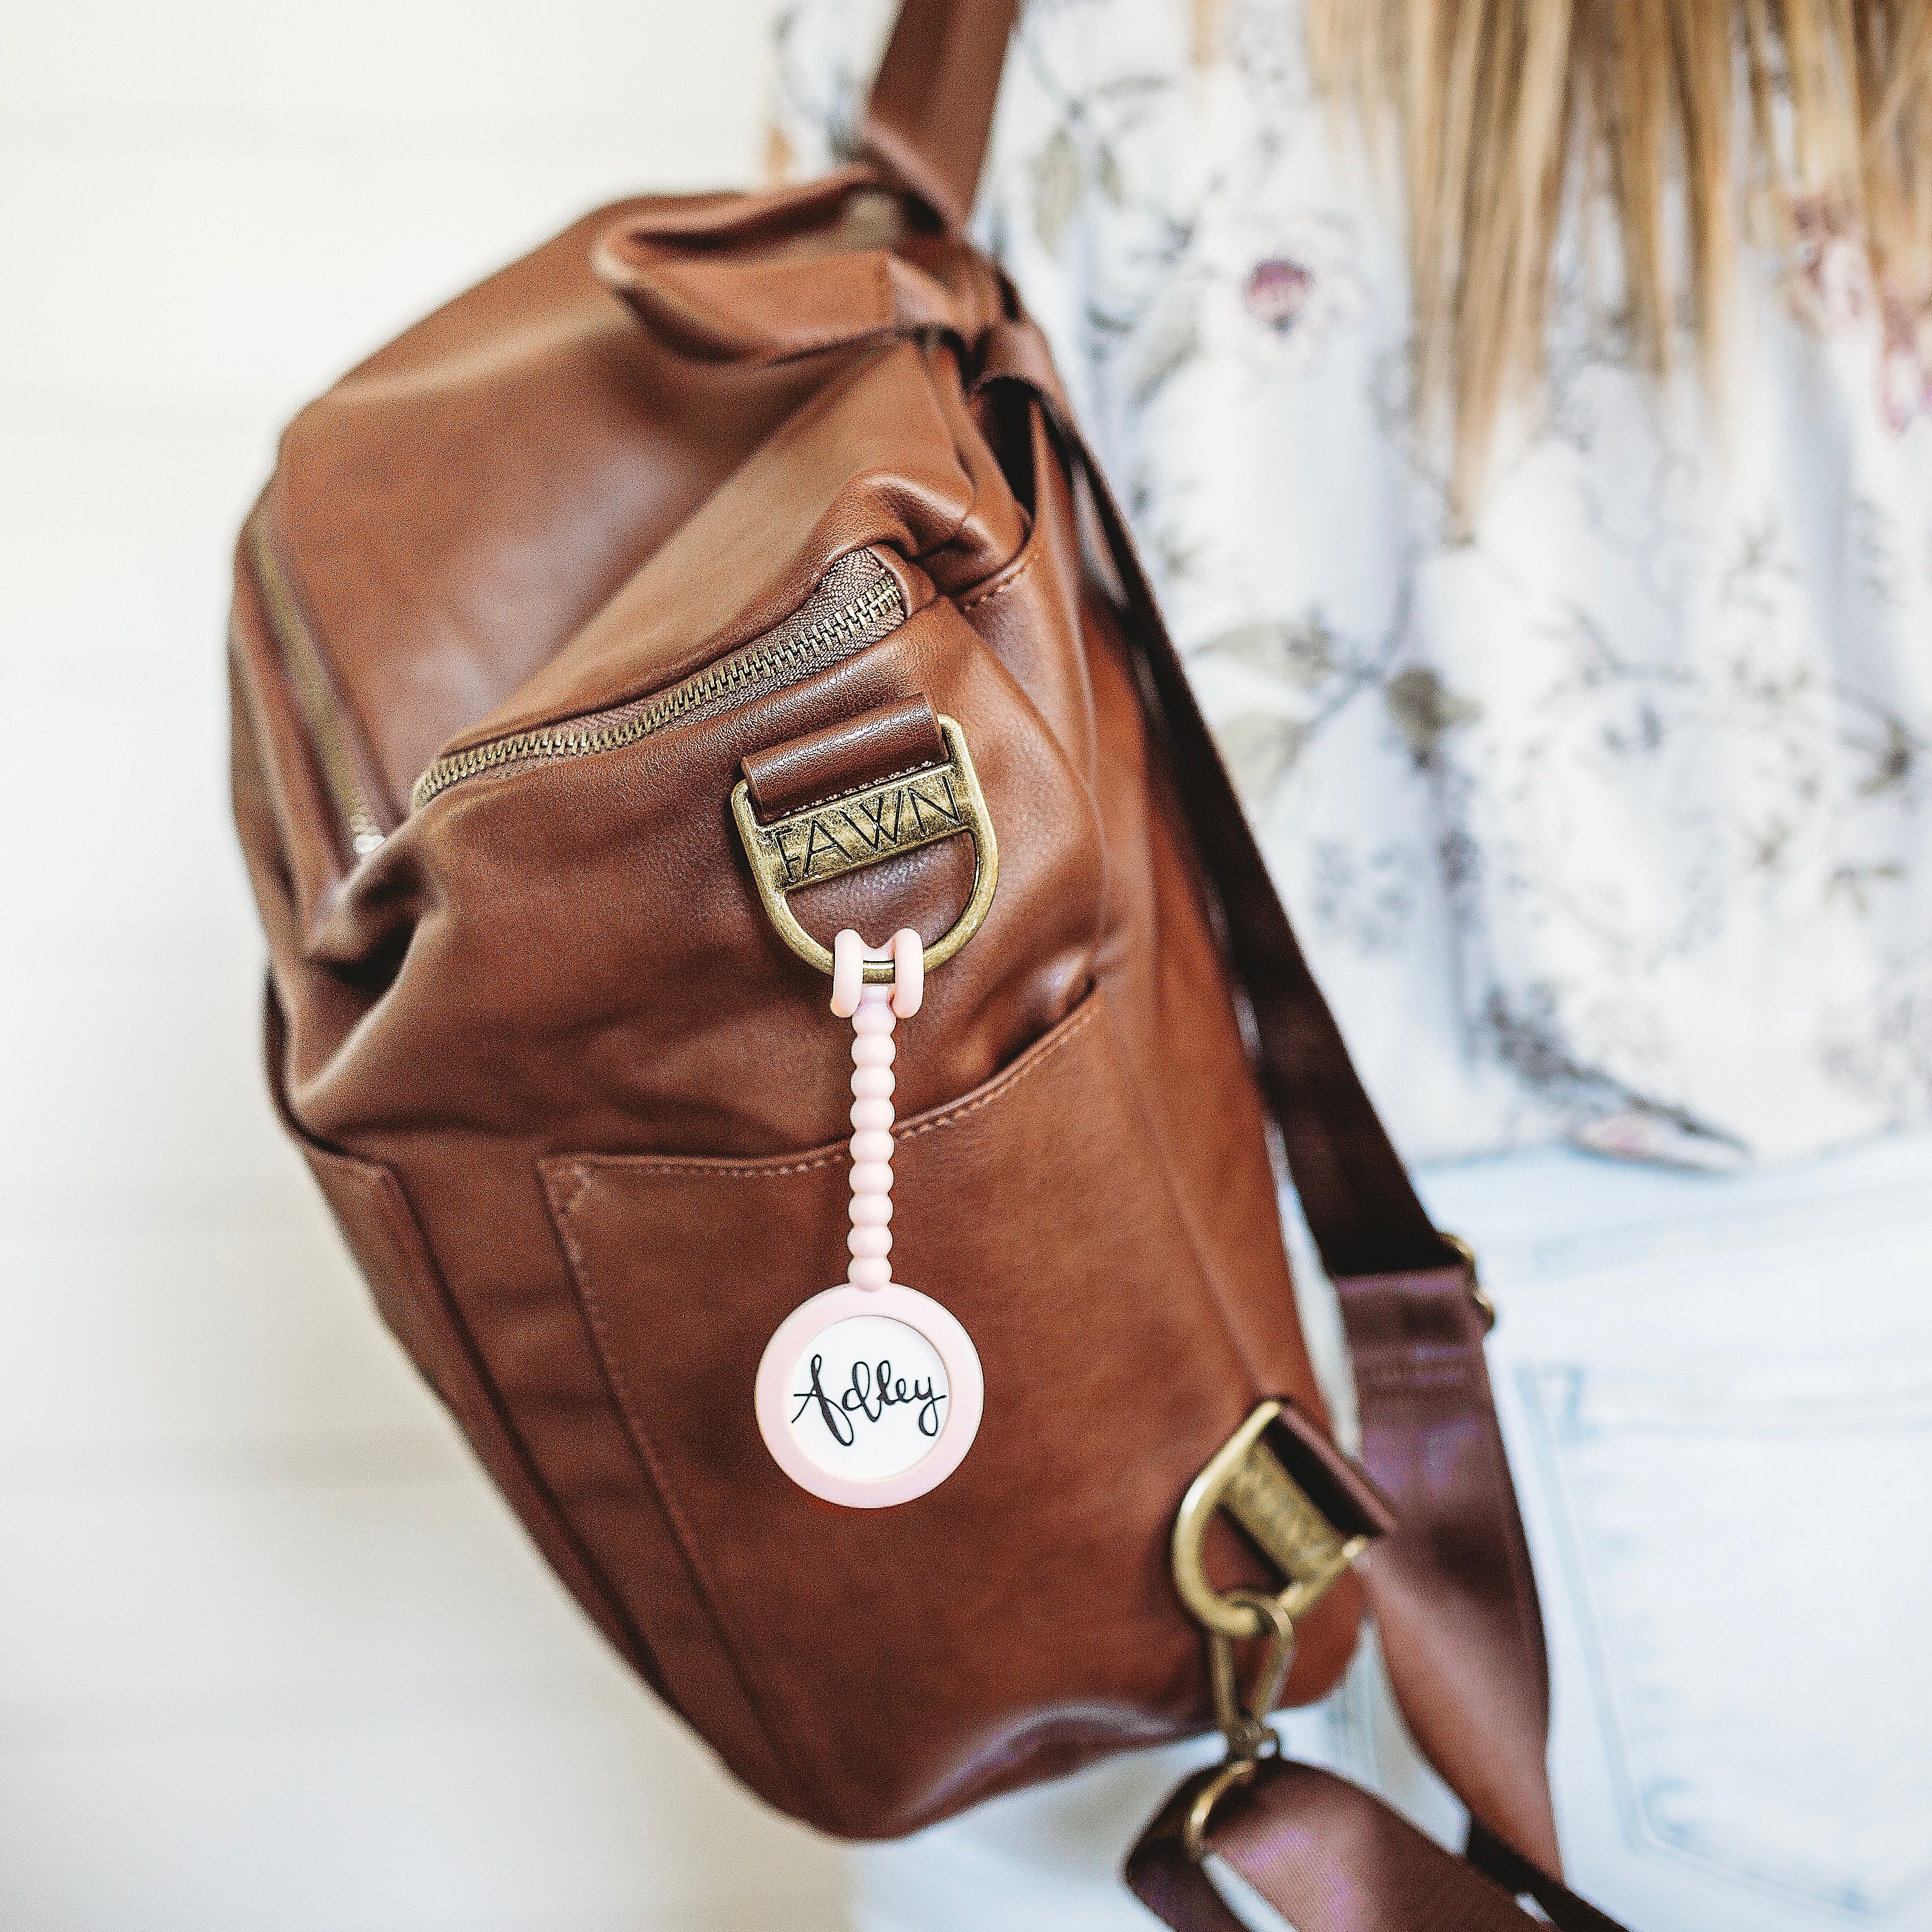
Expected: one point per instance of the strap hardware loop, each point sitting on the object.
(878, 821)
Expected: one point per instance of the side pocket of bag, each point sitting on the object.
(382, 1234)
(1019, 1619)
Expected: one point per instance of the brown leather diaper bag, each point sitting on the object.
(777, 496)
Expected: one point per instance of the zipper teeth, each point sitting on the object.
(749, 667)
(303, 662)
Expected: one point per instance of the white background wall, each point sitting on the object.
(271, 1654)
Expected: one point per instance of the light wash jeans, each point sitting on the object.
(1716, 1392)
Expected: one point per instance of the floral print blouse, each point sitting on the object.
(1606, 820)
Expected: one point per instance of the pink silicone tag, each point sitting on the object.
(870, 1396)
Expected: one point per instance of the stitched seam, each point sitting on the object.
(563, 1526)
(1466, 1372)
(699, 1168)
(628, 1410)
(584, 1173)
(1526, 1600)
(581, 1174)
(1008, 1082)
(1398, 1375)
(424, 1261)
(1392, 1390)
(987, 593)
(1438, 1372)
(853, 791)
(703, 1170)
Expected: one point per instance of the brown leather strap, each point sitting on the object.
(1360, 1206)
(1363, 1212)
(931, 112)
(1454, 1592)
(1330, 1858)
(1453, 1589)
(1515, 1873)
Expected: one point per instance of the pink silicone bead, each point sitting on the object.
(874, 1010)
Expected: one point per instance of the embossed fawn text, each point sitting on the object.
(830, 839)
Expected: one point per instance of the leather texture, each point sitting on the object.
(875, 745)
(755, 484)
(549, 1005)
(1453, 1591)
(1452, 1586)
(1330, 1858)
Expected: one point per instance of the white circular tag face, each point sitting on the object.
(869, 1396)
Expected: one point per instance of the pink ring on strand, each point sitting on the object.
(908, 952)
(849, 954)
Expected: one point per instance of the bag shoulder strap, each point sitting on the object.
(927, 125)
(1453, 1590)
(1330, 1858)
(931, 113)
(1452, 1587)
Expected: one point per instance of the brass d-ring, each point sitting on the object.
(1247, 1478)
(860, 828)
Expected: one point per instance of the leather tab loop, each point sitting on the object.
(866, 750)
(1329, 1858)
(864, 825)
(756, 310)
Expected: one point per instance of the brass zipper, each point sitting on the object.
(784, 654)
(302, 660)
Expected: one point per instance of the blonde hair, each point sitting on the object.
(1497, 108)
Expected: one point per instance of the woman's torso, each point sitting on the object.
(1604, 820)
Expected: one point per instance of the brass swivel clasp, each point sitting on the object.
(1250, 1737)
(1244, 1721)
(1247, 1478)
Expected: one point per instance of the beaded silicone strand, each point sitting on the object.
(874, 1011)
